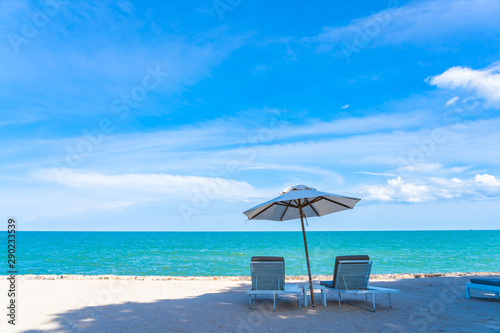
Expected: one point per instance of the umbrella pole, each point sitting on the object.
(307, 257)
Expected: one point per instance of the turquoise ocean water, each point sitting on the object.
(229, 253)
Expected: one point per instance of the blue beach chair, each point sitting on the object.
(492, 285)
(351, 276)
(268, 278)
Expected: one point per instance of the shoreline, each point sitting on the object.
(373, 277)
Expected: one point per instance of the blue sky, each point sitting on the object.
(179, 115)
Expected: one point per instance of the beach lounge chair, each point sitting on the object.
(268, 278)
(351, 275)
(483, 284)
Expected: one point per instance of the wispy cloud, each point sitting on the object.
(416, 22)
(433, 168)
(377, 174)
(152, 184)
(87, 191)
(333, 177)
(88, 70)
(452, 101)
(358, 125)
(207, 147)
(261, 68)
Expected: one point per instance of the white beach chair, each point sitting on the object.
(351, 276)
(268, 278)
(483, 284)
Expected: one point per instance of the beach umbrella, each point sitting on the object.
(301, 201)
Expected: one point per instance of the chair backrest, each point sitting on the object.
(268, 273)
(353, 274)
(339, 258)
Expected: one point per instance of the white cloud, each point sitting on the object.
(152, 184)
(345, 106)
(452, 101)
(487, 180)
(89, 191)
(397, 190)
(485, 83)
(434, 188)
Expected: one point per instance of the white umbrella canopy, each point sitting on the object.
(297, 202)
(313, 202)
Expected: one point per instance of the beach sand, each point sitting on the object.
(166, 304)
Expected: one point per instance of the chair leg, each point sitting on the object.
(340, 301)
(373, 298)
(390, 306)
(274, 301)
(249, 301)
(467, 292)
(323, 296)
(304, 294)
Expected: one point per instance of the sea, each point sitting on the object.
(229, 253)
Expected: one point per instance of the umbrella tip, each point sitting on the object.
(296, 188)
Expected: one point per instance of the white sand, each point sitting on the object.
(435, 304)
